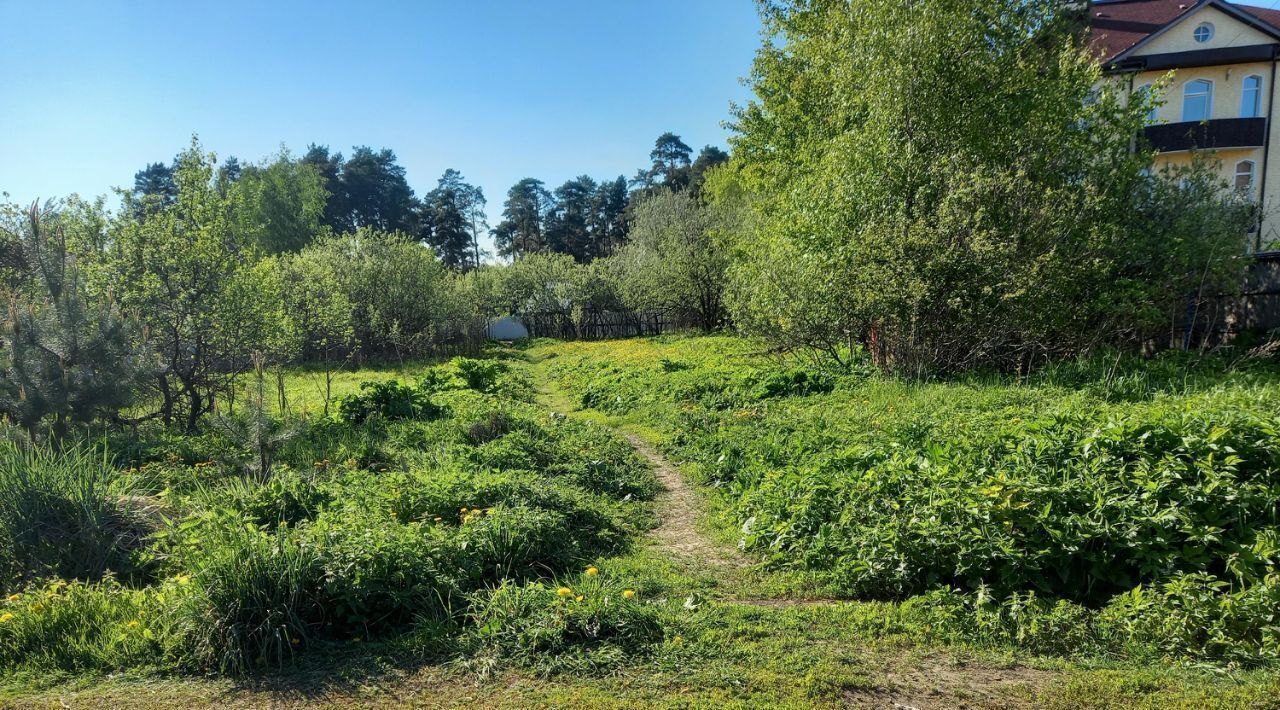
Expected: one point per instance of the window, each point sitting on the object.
(1142, 93)
(1251, 97)
(1197, 100)
(1244, 176)
(1203, 33)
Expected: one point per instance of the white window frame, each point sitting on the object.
(1251, 109)
(1208, 104)
(1144, 92)
(1251, 171)
(1209, 30)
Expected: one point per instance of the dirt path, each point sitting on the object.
(678, 507)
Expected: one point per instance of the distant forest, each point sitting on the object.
(584, 217)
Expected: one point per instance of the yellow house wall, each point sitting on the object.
(1228, 32)
(1228, 84)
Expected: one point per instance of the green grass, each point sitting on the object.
(349, 574)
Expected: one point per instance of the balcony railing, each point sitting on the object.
(1206, 135)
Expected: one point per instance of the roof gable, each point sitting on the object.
(1121, 27)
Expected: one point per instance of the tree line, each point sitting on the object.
(300, 197)
(967, 195)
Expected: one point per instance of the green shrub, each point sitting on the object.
(389, 400)
(480, 375)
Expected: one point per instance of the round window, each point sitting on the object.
(1203, 33)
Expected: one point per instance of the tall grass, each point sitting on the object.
(58, 515)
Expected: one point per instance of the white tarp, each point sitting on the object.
(507, 328)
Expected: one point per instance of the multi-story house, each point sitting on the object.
(1224, 59)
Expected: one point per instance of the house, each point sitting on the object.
(1224, 61)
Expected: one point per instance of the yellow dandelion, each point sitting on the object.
(5, 617)
(13, 597)
(579, 598)
(564, 591)
(678, 640)
(132, 624)
(592, 571)
(627, 594)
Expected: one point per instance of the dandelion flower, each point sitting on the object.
(579, 598)
(678, 640)
(13, 597)
(564, 591)
(183, 580)
(132, 624)
(5, 617)
(592, 571)
(627, 594)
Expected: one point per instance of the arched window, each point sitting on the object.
(1245, 170)
(1141, 93)
(1251, 97)
(1197, 100)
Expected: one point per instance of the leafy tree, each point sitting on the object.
(397, 288)
(283, 203)
(524, 213)
(329, 167)
(950, 196)
(674, 261)
(65, 355)
(179, 270)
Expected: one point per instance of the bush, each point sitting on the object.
(389, 400)
(480, 375)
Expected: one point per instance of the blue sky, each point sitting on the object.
(92, 91)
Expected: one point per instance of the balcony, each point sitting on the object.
(1208, 135)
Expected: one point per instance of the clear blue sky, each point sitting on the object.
(500, 89)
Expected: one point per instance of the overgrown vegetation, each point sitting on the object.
(395, 516)
(1138, 499)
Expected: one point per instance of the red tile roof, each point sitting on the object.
(1120, 24)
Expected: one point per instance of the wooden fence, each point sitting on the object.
(600, 324)
(1256, 308)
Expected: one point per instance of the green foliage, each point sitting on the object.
(369, 529)
(64, 355)
(389, 400)
(581, 624)
(480, 375)
(1146, 488)
(60, 517)
(1017, 222)
(675, 260)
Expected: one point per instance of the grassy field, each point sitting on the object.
(1100, 535)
